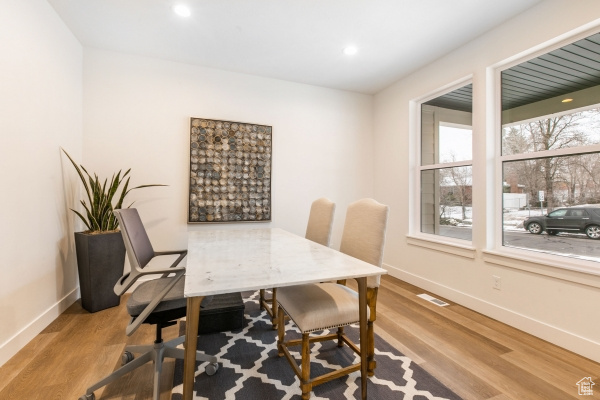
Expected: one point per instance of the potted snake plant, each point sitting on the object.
(100, 249)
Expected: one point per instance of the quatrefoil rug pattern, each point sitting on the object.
(249, 368)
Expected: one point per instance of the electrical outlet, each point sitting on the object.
(497, 282)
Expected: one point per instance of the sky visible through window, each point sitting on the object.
(455, 144)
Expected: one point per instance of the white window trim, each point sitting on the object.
(568, 151)
(555, 265)
(455, 125)
(454, 164)
(446, 244)
(563, 267)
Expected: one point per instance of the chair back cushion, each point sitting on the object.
(138, 246)
(320, 221)
(364, 233)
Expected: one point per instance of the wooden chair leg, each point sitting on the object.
(340, 333)
(262, 299)
(372, 302)
(274, 308)
(280, 331)
(371, 363)
(305, 383)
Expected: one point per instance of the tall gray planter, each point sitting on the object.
(100, 261)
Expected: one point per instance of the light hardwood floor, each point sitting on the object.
(477, 357)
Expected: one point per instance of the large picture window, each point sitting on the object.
(445, 168)
(550, 157)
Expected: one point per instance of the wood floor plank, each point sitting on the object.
(485, 359)
(81, 352)
(16, 364)
(529, 351)
(500, 397)
(475, 356)
(555, 374)
(442, 327)
(394, 341)
(459, 378)
(492, 368)
(526, 340)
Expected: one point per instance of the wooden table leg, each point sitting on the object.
(362, 313)
(191, 342)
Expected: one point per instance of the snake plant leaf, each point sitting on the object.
(123, 194)
(83, 219)
(87, 189)
(98, 215)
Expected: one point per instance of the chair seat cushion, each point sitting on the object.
(149, 290)
(314, 307)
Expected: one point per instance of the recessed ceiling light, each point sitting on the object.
(182, 10)
(350, 50)
(567, 100)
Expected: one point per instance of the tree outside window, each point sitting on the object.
(550, 151)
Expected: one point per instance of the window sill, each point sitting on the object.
(445, 245)
(582, 272)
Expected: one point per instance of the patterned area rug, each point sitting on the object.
(250, 368)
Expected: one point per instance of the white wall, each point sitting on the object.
(40, 110)
(549, 303)
(137, 114)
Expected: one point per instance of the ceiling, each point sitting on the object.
(298, 41)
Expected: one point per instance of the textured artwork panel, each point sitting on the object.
(230, 171)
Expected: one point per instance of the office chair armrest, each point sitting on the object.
(135, 323)
(165, 271)
(182, 254)
(127, 281)
(164, 253)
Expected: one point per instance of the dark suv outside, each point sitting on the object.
(574, 219)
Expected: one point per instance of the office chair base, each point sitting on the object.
(155, 353)
(127, 357)
(211, 369)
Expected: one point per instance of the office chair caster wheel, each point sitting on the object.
(88, 397)
(126, 358)
(211, 369)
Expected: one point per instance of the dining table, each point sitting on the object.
(237, 260)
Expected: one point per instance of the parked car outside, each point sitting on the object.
(573, 219)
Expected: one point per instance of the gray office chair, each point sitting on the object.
(159, 302)
(318, 229)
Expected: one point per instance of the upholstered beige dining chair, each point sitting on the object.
(320, 306)
(318, 229)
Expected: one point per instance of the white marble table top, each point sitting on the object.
(225, 261)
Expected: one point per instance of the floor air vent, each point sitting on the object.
(433, 300)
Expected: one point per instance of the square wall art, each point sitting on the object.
(230, 171)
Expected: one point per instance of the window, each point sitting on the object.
(445, 169)
(550, 152)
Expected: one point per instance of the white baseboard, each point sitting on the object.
(12, 346)
(567, 340)
(9, 348)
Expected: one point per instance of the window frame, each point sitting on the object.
(415, 237)
(559, 266)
